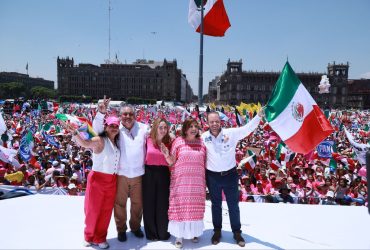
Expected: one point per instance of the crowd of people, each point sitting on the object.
(169, 160)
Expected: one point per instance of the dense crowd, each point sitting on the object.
(265, 177)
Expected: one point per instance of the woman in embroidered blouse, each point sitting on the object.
(101, 183)
(188, 185)
(156, 182)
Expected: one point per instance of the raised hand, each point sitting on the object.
(103, 106)
(69, 127)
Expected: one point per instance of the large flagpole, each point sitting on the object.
(200, 84)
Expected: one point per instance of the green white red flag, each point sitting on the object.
(215, 21)
(294, 115)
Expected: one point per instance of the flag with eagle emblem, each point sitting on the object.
(294, 115)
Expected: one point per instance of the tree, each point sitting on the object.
(42, 92)
(12, 90)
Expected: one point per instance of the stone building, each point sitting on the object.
(236, 85)
(144, 79)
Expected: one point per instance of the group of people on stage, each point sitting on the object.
(164, 177)
(165, 169)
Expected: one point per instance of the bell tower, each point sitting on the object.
(338, 76)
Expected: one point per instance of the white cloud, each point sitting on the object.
(365, 75)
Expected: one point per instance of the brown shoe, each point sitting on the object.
(216, 237)
(239, 239)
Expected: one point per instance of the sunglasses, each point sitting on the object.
(128, 114)
(113, 126)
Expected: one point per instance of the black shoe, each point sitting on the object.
(138, 233)
(239, 239)
(152, 238)
(166, 237)
(216, 237)
(122, 236)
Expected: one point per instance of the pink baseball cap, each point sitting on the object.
(112, 120)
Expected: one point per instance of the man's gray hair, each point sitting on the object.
(125, 105)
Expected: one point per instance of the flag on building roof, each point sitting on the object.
(215, 21)
(294, 115)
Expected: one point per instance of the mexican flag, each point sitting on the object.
(52, 106)
(215, 20)
(249, 162)
(275, 165)
(283, 154)
(294, 115)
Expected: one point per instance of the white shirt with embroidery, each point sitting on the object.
(221, 149)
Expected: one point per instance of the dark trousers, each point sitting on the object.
(229, 184)
(156, 192)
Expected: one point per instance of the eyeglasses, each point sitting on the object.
(128, 114)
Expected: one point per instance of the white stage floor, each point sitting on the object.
(57, 222)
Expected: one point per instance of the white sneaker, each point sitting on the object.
(103, 245)
(87, 244)
(178, 242)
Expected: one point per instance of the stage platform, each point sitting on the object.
(57, 222)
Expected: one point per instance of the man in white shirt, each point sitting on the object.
(131, 168)
(221, 171)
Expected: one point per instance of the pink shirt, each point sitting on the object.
(154, 155)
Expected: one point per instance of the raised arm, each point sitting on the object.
(98, 122)
(248, 128)
(96, 143)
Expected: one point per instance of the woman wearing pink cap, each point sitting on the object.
(101, 183)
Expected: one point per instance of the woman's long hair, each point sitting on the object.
(104, 134)
(154, 132)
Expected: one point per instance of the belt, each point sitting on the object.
(223, 173)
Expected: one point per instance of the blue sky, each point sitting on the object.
(263, 33)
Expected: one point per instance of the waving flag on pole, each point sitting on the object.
(215, 22)
(25, 147)
(50, 139)
(294, 114)
(359, 148)
(9, 155)
(249, 162)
